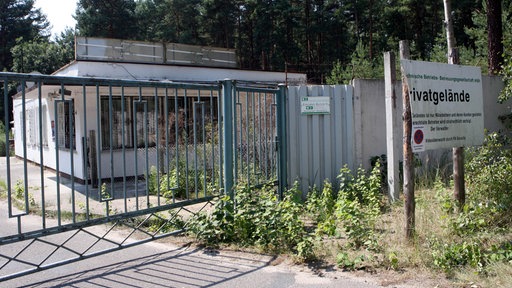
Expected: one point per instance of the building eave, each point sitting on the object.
(159, 72)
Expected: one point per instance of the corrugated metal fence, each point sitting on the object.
(320, 133)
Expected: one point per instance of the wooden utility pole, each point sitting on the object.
(409, 204)
(459, 190)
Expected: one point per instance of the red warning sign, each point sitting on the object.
(418, 136)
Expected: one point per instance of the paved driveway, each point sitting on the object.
(164, 265)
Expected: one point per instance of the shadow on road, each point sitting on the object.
(180, 267)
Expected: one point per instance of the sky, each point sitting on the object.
(59, 13)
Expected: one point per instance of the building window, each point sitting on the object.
(65, 124)
(37, 123)
(145, 122)
(43, 125)
(140, 118)
(115, 123)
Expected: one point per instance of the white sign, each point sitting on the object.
(446, 105)
(315, 105)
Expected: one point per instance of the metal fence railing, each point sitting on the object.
(91, 151)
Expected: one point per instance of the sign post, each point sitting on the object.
(410, 202)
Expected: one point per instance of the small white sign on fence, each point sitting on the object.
(315, 105)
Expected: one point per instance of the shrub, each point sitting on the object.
(256, 217)
(181, 182)
(479, 230)
(320, 206)
(489, 185)
(456, 255)
(358, 206)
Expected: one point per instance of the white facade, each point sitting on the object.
(43, 132)
(56, 114)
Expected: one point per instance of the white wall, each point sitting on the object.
(31, 149)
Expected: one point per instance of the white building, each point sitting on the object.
(67, 117)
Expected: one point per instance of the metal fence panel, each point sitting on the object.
(251, 154)
(320, 143)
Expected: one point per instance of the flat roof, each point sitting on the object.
(178, 73)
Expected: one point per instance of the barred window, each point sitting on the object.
(66, 124)
(116, 123)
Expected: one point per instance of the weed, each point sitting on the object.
(343, 260)
(320, 207)
(358, 206)
(182, 182)
(255, 218)
(19, 189)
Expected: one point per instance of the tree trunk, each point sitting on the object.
(494, 36)
(459, 189)
(410, 202)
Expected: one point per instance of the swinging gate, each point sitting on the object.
(100, 165)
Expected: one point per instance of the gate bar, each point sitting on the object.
(281, 142)
(227, 122)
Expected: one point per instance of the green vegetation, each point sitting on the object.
(355, 227)
(3, 141)
(181, 182)
(256, 218)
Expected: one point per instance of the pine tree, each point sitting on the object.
(108, 19)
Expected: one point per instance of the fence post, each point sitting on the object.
(282, 143)
(227, 134)
(393, 150)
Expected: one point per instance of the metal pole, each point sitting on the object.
(281, 144)
(227, 123)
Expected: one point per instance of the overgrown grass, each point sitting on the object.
(354, 227)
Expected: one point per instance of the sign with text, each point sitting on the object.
(446, 105)
(315, 105)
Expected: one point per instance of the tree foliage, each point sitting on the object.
(19, 18)
(108, 19)
(41, 56)
(309, 36)
(298, 35)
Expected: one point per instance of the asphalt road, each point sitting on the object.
(162, 265)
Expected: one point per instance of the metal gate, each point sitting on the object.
(99, 165)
